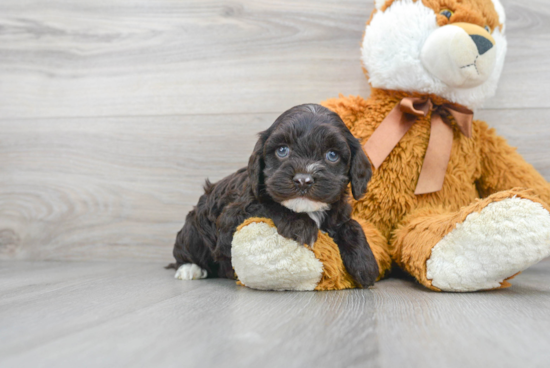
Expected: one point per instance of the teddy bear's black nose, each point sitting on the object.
(303, 180)
(483, 45)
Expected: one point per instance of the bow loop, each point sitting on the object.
(400, 120)
(464, 117)
(417, 106)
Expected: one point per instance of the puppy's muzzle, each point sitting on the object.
(303, 181)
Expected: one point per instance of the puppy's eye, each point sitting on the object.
(447, 13)
(332, 156)
(282, 151)
(488, 29)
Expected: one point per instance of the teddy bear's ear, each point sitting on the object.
(378, 4)
(360, 170)
(255, 167)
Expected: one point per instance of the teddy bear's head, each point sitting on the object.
(451, 48)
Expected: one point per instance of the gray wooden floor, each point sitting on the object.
(86, 314)
(112, 114)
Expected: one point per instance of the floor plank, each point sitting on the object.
(107, 314)
(138, 315)
(504, 328)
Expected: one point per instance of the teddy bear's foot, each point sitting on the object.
(490, 246)
(265, 260)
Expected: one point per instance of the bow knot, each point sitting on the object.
(400, 120)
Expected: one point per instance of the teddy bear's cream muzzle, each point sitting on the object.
(461, 55)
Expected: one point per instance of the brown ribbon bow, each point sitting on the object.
(401, 119)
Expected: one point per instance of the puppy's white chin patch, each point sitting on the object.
(305, 205)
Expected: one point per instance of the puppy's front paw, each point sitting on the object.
(365, 275)
(301, 230)
(190, 271)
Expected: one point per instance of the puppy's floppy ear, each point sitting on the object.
(256, 167)
(360, 170)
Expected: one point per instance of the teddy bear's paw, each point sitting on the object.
(265, 260)
(190, 271)
(490, 246)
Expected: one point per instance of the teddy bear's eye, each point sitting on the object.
(447, 13)
(488, 29)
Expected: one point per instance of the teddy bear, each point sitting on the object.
(449, 202)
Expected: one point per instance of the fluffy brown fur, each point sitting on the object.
(468, 11)
(411, 224)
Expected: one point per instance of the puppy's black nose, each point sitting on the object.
(303, 180)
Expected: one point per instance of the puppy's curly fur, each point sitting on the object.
(298, 176)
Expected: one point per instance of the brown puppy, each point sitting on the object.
(297, 176)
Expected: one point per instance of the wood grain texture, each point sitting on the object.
(111, 188)
(91, 314)
(503, 328)
(97, 314)
(526, 72)
(112, 58)
(528, 130)
(116, 58)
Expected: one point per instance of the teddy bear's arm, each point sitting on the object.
(502, 168)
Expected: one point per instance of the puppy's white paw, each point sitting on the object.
(190, 271)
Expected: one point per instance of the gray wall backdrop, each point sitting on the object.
(112, 113)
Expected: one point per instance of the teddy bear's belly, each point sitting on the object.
(390, 196)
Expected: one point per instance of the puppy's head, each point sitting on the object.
(306, 159)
